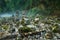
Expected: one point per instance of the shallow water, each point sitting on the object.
(6, 14)
(9, 14)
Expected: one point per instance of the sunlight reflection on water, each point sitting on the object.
(6, 15)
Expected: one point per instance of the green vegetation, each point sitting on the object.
(46, 7)
(25, 29)
(55, 28)
(5, 27)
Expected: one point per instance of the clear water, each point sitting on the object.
(9, 14)
(5, 14)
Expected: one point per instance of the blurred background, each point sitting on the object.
(32, 7)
